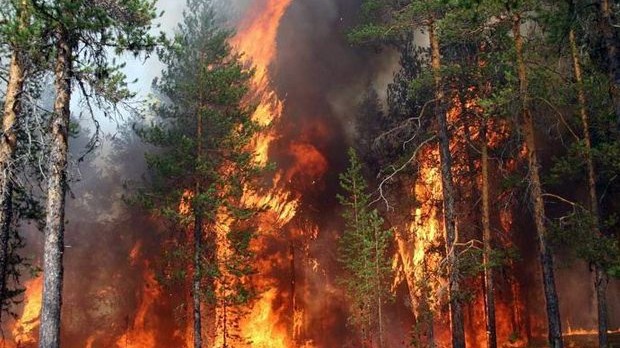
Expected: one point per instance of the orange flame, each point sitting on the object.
(141, 334)
(24, 331)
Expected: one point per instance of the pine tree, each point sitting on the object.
(593, 243)
(363, 250)
(203, 128)
(393, 22)
(93, 27)
(534, 178)
(21, 36)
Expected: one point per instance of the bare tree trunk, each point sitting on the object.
(198, 211)
(601, 296)
(49, 336)
(8, 144)
(196, 280)
(489, 291)
(546, 257)
(456, 312)
(379, 290)
(600, 283)
(612, 43)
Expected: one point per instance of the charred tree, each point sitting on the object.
(536, 194)
(456, 311)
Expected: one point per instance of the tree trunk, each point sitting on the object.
(456, 312)
(196, 280)
(600, 283)
(379, 289)
(601, 296)
(612, 43)
(536, 197)
(198, 211)
(489, 291)
(49, 336)
(8, 144)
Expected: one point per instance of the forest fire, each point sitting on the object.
(307, 87)
(25, 329)
(139, 333)
(257, 37)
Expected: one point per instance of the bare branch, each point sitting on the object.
(398, 170)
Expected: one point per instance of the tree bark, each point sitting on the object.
(601, 296)
(600, 283)
(8, 145)
(196, 280)
(379, 289)
(198, 211)
(489, 291)
(546, 257)
(456, 312)
(612, 43)
(49, 336)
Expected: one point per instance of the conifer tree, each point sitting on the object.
(586, 231)
(83, 34)
(363, 250)
(392, 21)
(22, 36)
(203, 128)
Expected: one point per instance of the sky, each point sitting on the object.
(144, 71)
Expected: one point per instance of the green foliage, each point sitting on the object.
(576, 233)
(96, 31)
(201, 127)
(363, 250)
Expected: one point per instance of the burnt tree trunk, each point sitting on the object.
(536, 196)
(612, 43)
(600, 283)
(8, 145)
(49, 336)
(489, 290)
(456, 312)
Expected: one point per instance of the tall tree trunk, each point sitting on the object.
(198, 211)
(49, 336)
(196, 280)
(612, 43)
(600, 283)
(456, 312)
(8, 145)
(379, 289)
(489, 291)
(536, 196)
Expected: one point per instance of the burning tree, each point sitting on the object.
(203, 128)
